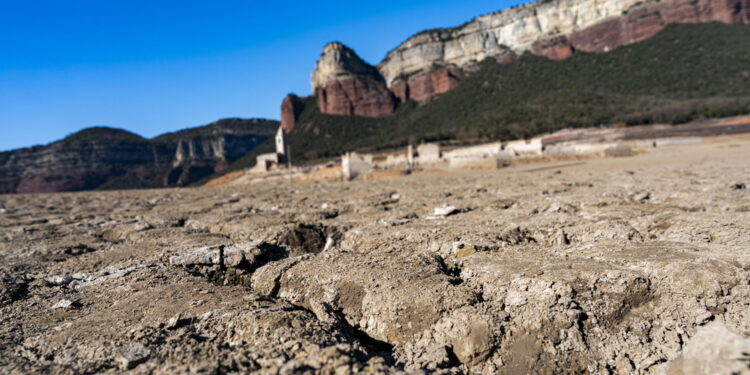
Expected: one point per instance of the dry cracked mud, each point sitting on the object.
(607, 266)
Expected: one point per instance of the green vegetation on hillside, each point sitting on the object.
(224, 126)
(685, 72)
(103, 134)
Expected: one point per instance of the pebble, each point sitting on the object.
(642, 197)
(64, 304)
(60, 280)
(445, 211)
(173, 322)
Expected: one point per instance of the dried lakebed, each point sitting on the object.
(611, 266)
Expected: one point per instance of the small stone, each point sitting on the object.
(173, 322)
(235, 255)
(81, 276)
(132, 355)
(323, 311)
(703, 317)
(62, 327)
(141, 226)
(60, 280)
(462, 250)
(330, 243)
(641, 197)
(64, 304)
(208, 255)
(554, 207)
(445, 211)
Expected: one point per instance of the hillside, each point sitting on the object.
(685, 72)
(100, 158)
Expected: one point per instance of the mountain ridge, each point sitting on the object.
(434, 61)
(103, 157)
(674, 77)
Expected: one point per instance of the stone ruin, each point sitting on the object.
(429, 153)
(275, 160)
(353, 165)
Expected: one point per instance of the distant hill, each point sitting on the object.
(685, 72)
(109, 158)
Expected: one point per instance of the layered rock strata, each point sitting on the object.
(346, 85)
(554, 28)
(434, 61)
(107, 158)
(291, 109)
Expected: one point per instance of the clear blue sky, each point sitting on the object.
(154, 66)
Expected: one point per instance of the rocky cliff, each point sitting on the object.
(555, 28)
(107, 158)
(346, 85)
(434, 61)
(685, 72)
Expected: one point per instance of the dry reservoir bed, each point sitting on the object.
(608, 266)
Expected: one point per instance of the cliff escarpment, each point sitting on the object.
(686, 72)
(346, 85)
(108, 158)
(433, 62)
(555, 29)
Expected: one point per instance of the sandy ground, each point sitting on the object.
(606, 266)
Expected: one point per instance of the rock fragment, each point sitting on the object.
(398, 220)
(60, 280)
(132, 355)
(445, 211)
(173, 322)
(234, 255)
(714, 349)
(65, 304)
(641, 197)
(209, 255)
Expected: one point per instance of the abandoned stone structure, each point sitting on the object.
(274, 160)
(429, 153)
(353, 165)
(531, 147)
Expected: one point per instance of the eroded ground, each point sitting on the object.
(607, 266)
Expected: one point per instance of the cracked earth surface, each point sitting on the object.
(607, 266)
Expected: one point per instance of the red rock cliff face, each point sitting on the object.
(555, 49)
(635, 26)
(424, 86)
(643, 23)
(346, 85)
(358, 96)
(291, 108)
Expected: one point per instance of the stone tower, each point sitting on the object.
(282, 149)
